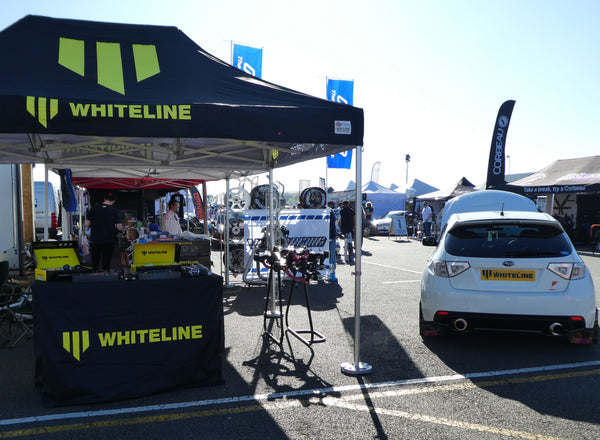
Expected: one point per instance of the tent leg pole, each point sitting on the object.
(357, 368)
(226, 231)
(273, 312)
(205, 207)
(46, 214)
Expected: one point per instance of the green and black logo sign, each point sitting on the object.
(109, 64)
(76, 342)
(109, 69)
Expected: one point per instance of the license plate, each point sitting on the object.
(507, 275)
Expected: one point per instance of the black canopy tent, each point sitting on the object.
(120, 100)
(110, 100)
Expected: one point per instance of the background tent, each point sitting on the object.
(568, 189)
(136, 101)
(437, 199)
(383, 199)
(463, 186)
(581, 175)
(421, 187)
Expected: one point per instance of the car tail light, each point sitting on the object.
(53, 220)
(448, 269)
(568, 271)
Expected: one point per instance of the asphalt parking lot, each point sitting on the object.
(475, 386)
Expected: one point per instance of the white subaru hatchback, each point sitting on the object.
(512, 271)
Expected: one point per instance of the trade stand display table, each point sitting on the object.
(114, 340)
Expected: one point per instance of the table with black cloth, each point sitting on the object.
(115, 340)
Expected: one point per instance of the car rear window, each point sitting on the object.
(507, 240)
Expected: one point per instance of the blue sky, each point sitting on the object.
(430, 75)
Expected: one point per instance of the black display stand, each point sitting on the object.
(270, 313)
(300, 266)
(315, 336)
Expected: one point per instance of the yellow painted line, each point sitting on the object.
(448, 422)
(341, 402)
(128, 422)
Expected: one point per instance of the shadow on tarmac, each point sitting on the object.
(250, 301)
(378, 342)
(499, 351)
(278, 367)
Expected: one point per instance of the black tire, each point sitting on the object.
(313, 198)
(236, 259)
(259, 197)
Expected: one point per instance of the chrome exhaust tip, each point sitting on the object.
(460, 324)
(557, 329)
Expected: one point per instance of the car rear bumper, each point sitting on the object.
(579, 300)
(555, 325)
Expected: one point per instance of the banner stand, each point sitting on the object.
(398, 227)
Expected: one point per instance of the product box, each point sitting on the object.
(195, 251)
(157, 254)
(55, 260)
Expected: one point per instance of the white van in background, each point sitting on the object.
(53, 211)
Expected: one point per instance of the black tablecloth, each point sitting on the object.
(105, 341)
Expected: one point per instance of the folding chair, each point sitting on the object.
(15, 307)
(595, 236)
(22, 313)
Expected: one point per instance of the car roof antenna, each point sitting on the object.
(502, 211)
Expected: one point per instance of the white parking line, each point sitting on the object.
(443, 421)
(400, 281)
(286, 395)
(391, 267)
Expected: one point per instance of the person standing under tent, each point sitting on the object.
(427, 215)
(104, 220)
(171, 219)
(347, 224)
(332, 242)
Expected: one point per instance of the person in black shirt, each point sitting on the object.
(104, 221)
(332, 242)
(347, 228)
